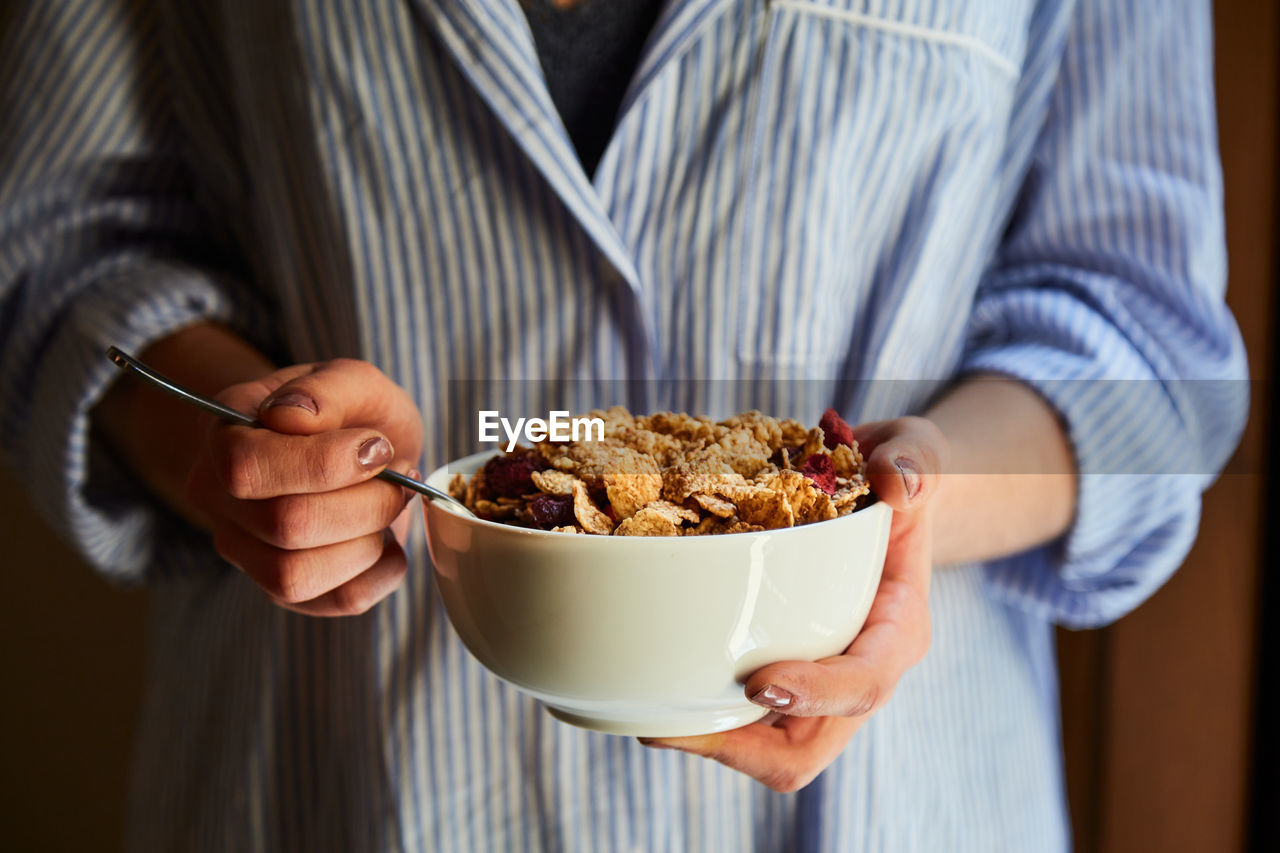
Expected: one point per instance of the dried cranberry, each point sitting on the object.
(822, 470)
(835, 430)
(511, 476)
(552, 511)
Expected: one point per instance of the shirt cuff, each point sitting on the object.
(74, 481)
(1138, 492)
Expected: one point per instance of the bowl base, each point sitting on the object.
(676, 725)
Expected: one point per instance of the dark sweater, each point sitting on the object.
(588, 55)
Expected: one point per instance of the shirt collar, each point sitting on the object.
(491, 42)
(492, 45)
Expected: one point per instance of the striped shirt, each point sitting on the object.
(804, 203)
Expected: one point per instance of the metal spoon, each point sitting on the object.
(127, 362)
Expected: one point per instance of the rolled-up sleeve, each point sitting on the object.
(102, 241)
(1107, 298)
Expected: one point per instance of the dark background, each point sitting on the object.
(1165, 713)
(1167, 746)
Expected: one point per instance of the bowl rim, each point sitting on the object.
(474, 460)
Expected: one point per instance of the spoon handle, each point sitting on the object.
(127, 362)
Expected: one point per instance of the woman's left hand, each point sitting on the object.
(816, 707)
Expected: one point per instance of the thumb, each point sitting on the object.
(904, 459)
(326, 396)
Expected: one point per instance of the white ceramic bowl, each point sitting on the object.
(651, 636)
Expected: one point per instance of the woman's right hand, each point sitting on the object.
(295, 506)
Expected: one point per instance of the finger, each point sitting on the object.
(895, 637)
(248, 396)
(854, 684)
(292, 577)
(904, 459)
(785, 757)
(362, 592)
(400, 526)
(334, 394)
(255, 464)
(298, 521)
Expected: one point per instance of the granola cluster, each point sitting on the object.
(675, 475)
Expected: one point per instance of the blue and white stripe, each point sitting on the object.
(807, 201)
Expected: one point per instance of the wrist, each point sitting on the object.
(158, 437)
(1012, 482)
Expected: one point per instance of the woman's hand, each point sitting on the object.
(817, 707)
(296, 506)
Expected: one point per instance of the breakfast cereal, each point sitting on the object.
(671, 474)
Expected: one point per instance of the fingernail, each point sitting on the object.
(294, 398)
(374, 453)
(653, 744)
(910, 477)
(774, 697)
